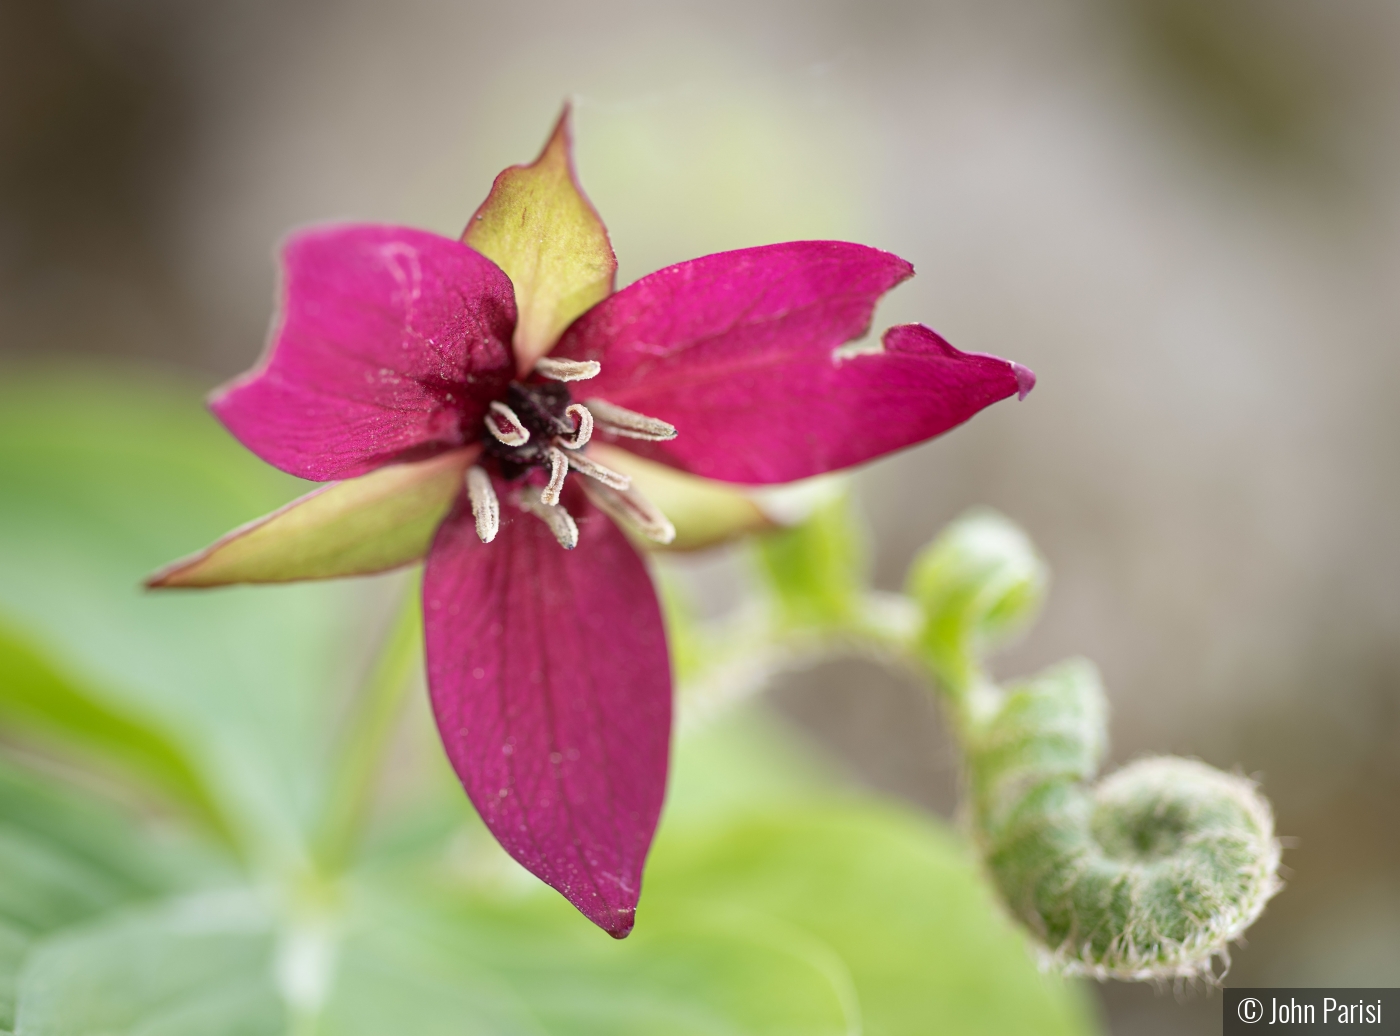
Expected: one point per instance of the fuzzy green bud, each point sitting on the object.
(979, 584)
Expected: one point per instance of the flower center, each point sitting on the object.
(542, 411)
(538, 426)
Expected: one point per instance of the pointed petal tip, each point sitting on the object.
(617, 922)
(621, 932)
(1025, 380)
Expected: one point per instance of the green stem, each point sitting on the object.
(370, 728)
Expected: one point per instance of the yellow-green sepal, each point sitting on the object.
(704, 512)
(356, 527)
(537, 226)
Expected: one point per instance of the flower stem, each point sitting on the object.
(367, 737)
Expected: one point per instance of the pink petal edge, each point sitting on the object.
(550, 682)
(390, 344)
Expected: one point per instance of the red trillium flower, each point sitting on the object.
(482, 401)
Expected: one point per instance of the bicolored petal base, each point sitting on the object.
(552, 691)
(357, 527)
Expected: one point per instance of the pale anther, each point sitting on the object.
(586, 465)
(555, 369)
(503, 423)
(485, 508)
(560, 522)
(558, 470)
(583, 427)
(631, 509)
(629, 423)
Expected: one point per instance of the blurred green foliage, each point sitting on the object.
(817, 570)
(172, 760)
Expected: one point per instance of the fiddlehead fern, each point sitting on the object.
(1148, 874)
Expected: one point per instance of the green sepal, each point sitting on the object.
(705, 513)
(356, 527)
(537, 226)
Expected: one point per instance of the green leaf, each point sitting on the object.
(103, 478)
(428, 962)
(198, 967)
(894, 898)
(774, 902)
(38, 701)
(356, 527)
(812, 914)
(537, 226)
(890, 893)
(67, 859)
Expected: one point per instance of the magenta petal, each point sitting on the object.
(390, 345)
(551, 686)
(736, 351)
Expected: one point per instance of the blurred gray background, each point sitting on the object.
(1183, 214)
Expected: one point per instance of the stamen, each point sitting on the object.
(485, 508)
(583, 427)
(629, 423)
(586, 465)
(558, 471)
(556, 369)
(560, 522)
(631, 509)
(502, 422)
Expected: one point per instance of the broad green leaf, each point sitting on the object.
(39, 702)
(769, 888)
(537, 226)
(360, 526)
(893, 897)
(811, 914)
(704, 512)
(892, 894)
(203, 966)
(104, 478)
(425, 959)
(66, 859)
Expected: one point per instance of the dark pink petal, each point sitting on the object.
(391, 343)
(736, 351)
(552, 690)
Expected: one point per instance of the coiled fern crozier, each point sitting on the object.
(1148, 873)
